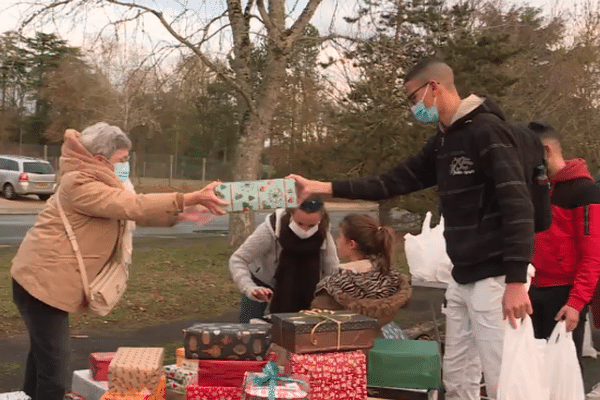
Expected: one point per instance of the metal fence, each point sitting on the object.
(164, 166)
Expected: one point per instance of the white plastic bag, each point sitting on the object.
(426, 253)
(562, 368)
(522, 364)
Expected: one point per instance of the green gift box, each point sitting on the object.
(410, 364)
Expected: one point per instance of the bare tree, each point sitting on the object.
(256, 103)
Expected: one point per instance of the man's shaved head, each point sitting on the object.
(431, 69)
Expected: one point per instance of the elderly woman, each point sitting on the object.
(47, 283)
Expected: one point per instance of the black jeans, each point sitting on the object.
(47, 369)
(546, 303)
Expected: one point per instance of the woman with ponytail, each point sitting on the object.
(367, 284)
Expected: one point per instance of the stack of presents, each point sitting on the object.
(315, 354)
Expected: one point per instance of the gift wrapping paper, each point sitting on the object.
(258, 195)
(144, 394)
(74, 396)
(229, 372)
(337, 375)
(407, 364)
(179, 378)
(99, 363)
(185, 363)
(197, 392)
(134, 369)
(322, 331)
(288, 387)
(14, 396)
(227, 341)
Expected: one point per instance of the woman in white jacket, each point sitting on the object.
(281, 262)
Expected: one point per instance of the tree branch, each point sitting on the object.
(265, 15)
(298, 27)
(220, 73)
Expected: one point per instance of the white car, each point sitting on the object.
(21, 175)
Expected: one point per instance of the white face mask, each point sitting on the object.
(301, 233)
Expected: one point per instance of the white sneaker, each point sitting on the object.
(594, 394)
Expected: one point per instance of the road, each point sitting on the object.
(14, 226)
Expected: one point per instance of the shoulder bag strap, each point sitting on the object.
(71, 235)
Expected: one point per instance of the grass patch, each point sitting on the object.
(167, 283)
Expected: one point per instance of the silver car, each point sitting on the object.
(26, 175)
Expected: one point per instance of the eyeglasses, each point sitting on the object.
(312, 205)
(412, 95)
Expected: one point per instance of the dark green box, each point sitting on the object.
(410, 364)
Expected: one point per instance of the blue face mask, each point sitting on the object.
(122, 171)
(427, 116)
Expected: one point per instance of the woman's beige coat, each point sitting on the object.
(95, 202)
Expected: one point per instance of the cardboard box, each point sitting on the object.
(323, 331)
(336, 375)
(134, 369)
(258, 195)
(86, 386)
(227, 341)
(99, 363)
(405, 364)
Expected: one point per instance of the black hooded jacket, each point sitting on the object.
(489, 227)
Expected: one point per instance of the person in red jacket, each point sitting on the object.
(566, 256)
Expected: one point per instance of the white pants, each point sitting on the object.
(474, 338)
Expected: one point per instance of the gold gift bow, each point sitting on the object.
(318, 313)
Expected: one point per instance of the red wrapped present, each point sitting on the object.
(229, 372)
(340, 375)
(197, 392)
(99, 365)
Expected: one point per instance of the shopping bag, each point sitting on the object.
(426, 253)
(521, 372)
(562, 368)
(588, 349)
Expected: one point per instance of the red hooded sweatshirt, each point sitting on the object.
(569, 252)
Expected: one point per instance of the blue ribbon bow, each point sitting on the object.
(270, 376)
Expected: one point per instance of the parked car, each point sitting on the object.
(26, 175)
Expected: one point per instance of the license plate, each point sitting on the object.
(42, 185)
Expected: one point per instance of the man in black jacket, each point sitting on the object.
(489, 225)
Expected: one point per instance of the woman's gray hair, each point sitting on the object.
(104, 139)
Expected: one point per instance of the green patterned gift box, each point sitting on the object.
(258, 195)
(179, 378)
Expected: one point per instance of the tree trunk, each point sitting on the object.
(253, 132)
(385, 214)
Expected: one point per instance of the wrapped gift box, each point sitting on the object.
(197, 392)
(322, 331)
(185, 363)
(258, 195)
(179, 378)
(134, 369)
(86, 386)
(99, 365)
(144, 394)
(229, 372)
(410, 364)
(338, 375)
(14, 396)
(393, 331)
(287, 387)
(227, 341)
(74, 396)
(401, 394)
